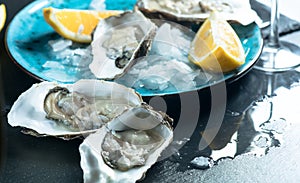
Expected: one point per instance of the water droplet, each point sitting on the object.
(262, 142)
(202, 162)
(233, 113)
(181, 142)
(277, 125)
(176, 156)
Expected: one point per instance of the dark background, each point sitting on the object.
(24, 158)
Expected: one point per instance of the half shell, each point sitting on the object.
(118, 41)
(196, 11)
(107, 99)
(123, 155)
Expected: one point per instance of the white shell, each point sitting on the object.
(28, 110)
(241, 10)
(95, 170)
(104, 67)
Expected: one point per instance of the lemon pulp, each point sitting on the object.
(76, 25)
(216, 46)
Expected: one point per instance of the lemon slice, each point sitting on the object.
(2, 16)
(216, 46)
(76, 25)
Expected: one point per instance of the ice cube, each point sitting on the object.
(53, 65)
(97, 5)
(59, 44)
(153, 82)
(64, 54)
(76, 60)
(81, 51)
(171, 41)
(53, 74)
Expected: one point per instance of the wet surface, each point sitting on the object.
(258, 139)
(248, 138)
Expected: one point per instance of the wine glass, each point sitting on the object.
(277, 56)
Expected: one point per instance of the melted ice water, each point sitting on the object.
(261, 128)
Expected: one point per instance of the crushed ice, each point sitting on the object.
(161, 73)
(68, 59)
(167, 66)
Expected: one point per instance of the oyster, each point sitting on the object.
(68, 110)
(124, 149)
(117, 41)
(195, 11)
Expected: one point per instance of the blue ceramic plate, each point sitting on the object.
(28, 36)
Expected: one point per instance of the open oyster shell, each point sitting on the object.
(125, 149)
(70, 110)
(195, 11)
(117, 41)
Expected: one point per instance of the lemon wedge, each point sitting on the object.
(216, 46)
(76, 25)
(2, 16)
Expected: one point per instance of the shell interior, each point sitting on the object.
(95, 167)
(117, 41)
(28, 110)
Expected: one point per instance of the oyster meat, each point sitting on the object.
(124, 149)
(66, 110)
(196, 11)
(128, 149)
(118, 41)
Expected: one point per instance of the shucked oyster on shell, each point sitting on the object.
(195, 11)
(124, 149)
(70, 110)
(118, 41)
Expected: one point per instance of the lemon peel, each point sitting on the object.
(2, 16)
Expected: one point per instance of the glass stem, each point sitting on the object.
(274, 34)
